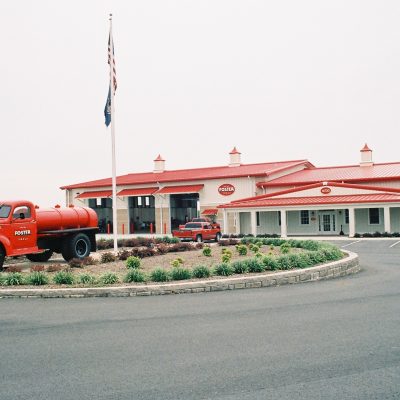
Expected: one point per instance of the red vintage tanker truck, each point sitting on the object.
(36, 233)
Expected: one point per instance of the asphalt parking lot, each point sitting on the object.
(336, 339)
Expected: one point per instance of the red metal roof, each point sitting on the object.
(350, 173)
(95, 194)
(137, 192)
(210, 211)
(180, 189)
(182, 175)
(316, 200)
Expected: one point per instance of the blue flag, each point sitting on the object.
(107, 108)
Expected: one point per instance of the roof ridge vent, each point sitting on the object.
(234, 158)
(159, 164)
(366, 157)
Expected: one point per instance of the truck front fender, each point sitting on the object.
(5, 242)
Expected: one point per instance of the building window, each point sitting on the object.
(346, 216)
(304, 217)
(374, 216)
(258, 218)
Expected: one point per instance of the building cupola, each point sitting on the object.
(234, 158)
(366, 157)
(159, 164)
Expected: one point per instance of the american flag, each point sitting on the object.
(112, 59)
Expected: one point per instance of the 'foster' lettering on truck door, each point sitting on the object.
(23, 228)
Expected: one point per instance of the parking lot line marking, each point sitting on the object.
(394, 244)
(349, 244)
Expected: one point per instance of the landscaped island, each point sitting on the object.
(143, 260)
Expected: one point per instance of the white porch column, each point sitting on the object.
(225, 222)
(352, 222)
(386, 218)
(253, 223)
(237, 216)
(283, 224)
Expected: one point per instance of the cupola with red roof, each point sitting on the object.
(159, 164)
(366, 157)
(234, 158)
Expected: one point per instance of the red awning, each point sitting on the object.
(180, 189)
(210, 211)
(95, 194)
(137, 192)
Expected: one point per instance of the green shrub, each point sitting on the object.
(107, 257)
(226, 257)
(304, 260)
(134, 275)
(259, 243)
(331, 253)
(2, 279)
(255, 249)
(86, 279)
(317, 257)
(241, 249)
(223, 269)
(310, 245)
(133, 262)
(63, 278)
(239, 267)
(270, 263)
(14, 279)
(159, 275)
(207, 251)
(255, 265)
(109, 278)
(177, 262)
(179, 274)
(201, 271)
(284, 262)
(37, 278)
(258, 255)
(285, 248)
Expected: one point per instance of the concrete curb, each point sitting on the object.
(335, 269)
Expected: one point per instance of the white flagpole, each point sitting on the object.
(114, 179)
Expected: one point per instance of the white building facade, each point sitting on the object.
(288, 198)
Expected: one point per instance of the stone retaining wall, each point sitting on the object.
(346, 266)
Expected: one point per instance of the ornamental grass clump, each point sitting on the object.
(37, 278)
(239, 267)
(133, 262)
(2, 279)
(207, 251)
(180, 274)
(270, 263)
(284, 262)
(159, 275)
(255, 265)
(86, 279)
(134, 275)
(201, 271)
(223, 269)
(63, 278)
(14, 279)
(109, 278)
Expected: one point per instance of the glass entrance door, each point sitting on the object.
(327, 222)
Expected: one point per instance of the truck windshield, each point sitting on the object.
(4, 211)
(193, 225)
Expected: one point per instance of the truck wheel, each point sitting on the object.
(77, 246)
(40, 257)
(217, 237)
(2, 257)
(199, 238)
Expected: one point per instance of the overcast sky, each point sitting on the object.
(280, 80)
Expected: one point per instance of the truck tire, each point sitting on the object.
(77, 246)
(40, 257)
(2, 257)
(217, 237)
(199, 238)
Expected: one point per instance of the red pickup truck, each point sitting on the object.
(198, 231)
